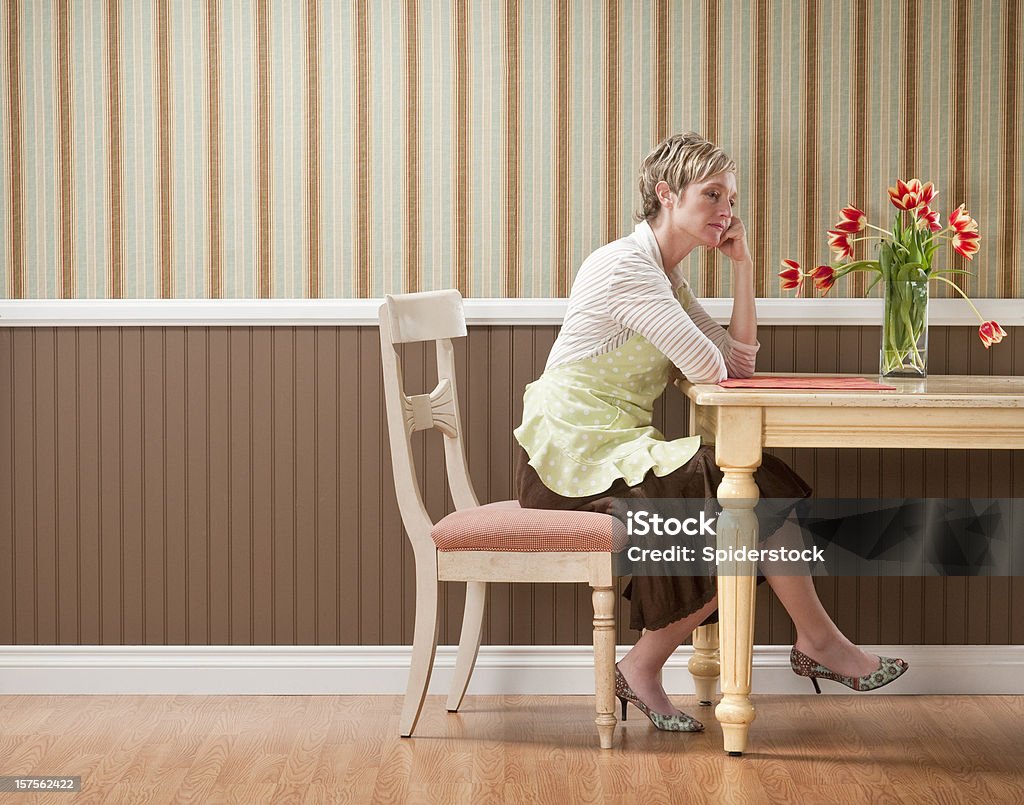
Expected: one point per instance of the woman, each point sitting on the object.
(631, 324)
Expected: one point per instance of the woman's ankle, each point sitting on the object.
(633, 667)
(821, 642)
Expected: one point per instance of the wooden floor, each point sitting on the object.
(314, 749)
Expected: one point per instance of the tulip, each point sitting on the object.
(926, 194)
(824, 278)
(961, 220)
(839, 242)
(906, 195)
(792, 276)
(991, 333)
(926, 216)
(966, 244)
(851, 220)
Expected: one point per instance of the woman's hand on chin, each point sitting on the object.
(734, 242)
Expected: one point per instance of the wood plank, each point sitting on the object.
(68, 516)
(282, 436)
(370, 458)
(88, 381)
(192, 431)
(240, 481)
(154, 397)
(261, 477)
(7, 483)
(349, 512)
(45, 532)
(218, 522)
(304, 501)
(141, 493)
(327, 493)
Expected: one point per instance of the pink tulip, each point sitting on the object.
(926, 216)
(792, 276)
(961, 220)
(966, 244)
(991, 333)
(839, 242)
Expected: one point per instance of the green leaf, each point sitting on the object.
(885, 259)
(859, 265)
(952, 271)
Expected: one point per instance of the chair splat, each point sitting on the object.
(433, 410)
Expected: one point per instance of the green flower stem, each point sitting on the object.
(904, 324)
(957, 287)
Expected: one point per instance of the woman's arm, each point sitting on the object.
(739, 357)
(743, 324)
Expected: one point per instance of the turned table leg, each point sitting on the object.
(704, 665)
(738, 454)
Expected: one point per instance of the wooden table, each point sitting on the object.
(966, 412)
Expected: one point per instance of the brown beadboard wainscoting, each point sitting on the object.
(232, 486)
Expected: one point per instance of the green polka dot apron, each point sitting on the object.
(588, 423)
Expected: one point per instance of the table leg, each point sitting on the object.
(703, 664)
(738, 454)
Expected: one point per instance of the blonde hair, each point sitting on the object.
(679, 160)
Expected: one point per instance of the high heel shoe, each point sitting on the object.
(889, 669)
(677, 723)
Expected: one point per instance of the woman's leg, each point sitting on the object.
(642, 665)
(817, 635)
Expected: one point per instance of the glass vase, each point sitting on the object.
(904, 351)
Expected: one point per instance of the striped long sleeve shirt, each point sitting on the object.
(621, 290)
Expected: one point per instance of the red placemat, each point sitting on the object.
(841, 383)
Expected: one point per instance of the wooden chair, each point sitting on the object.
(498, 542)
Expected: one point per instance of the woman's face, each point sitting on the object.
(703, 211)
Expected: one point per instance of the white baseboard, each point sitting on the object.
(530, 670)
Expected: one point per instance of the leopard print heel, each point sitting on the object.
(676, 723)
(889, 670)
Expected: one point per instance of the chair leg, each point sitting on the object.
(469, 642)
(704, 665)
(604, 664)
(424, 647)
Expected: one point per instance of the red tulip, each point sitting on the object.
(851, 220)
(839, 242)
(966, 244)
(926, 216)
(824, 278)
(991, 333)
(961, 220)
(905, 195)
(926, 193)
(792, 276)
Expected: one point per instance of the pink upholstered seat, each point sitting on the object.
(506, 526)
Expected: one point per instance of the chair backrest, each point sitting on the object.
(436, 316)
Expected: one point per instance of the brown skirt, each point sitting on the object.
(657, 601)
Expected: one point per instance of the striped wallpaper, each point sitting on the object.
(348, 148)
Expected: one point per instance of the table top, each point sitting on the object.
(936, 391)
